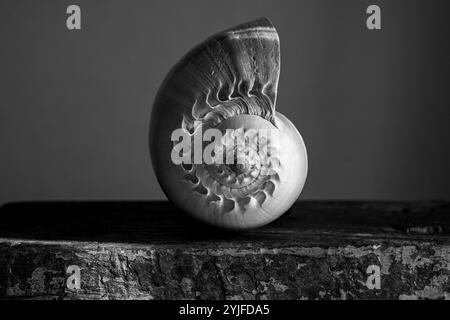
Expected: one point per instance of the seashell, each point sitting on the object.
(219, 149)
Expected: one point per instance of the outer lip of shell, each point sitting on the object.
(240, 65)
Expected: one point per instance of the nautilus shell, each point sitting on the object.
(219, 149)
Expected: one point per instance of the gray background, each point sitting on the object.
(372, 106)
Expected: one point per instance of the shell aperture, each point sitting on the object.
(219, 149)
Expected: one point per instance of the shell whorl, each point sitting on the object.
(229, 82)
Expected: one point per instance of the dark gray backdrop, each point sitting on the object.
(372, 106)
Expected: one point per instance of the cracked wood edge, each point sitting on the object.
(409, 270)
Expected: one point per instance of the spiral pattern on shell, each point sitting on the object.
(256, 165)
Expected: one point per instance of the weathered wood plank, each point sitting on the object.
(321, 250)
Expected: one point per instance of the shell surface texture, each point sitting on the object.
(220, 151)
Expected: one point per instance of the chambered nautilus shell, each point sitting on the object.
(219, 149)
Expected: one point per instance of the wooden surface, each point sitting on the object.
(149, 250)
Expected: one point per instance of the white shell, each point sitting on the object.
(228, 82)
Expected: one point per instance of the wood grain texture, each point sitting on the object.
(148, 250)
